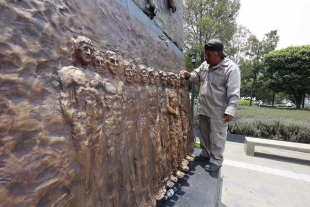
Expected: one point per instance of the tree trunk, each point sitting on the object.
(254, 80)
(303, 100)
(273, 98)
(298, 98)
(251, 95)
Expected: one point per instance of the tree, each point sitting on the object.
(289, 71)
(256, 52)
(205, 20)
(239, 44)
(208, 19)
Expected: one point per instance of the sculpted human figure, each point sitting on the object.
(143, 129)
(183, 163)
(164, 125)
(143, 126)
(153, 102)
(82, 106)
(113, 121)
(113, 88)
(185, 118)
(174, 116)
(153, 99)
(130, 132)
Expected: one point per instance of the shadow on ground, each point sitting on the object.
(197, 188)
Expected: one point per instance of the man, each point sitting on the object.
(219, 95)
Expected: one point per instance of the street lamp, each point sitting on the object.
(193, 57)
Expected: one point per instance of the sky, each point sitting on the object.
(290, 17)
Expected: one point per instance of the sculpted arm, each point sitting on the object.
(169, 108)
(67, 92)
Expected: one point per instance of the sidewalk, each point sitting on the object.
(273, 177)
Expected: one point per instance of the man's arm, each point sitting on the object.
(233, 93)
(194, 75)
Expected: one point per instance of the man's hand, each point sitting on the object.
(228, 117)
(184, 74)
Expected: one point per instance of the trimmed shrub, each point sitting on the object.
(291, 125)
(244, 102)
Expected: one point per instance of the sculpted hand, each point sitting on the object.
(228, 117)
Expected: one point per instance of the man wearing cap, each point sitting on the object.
(219, 94)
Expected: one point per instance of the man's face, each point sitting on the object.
(113, 62)
(85, 52)
(213, 58)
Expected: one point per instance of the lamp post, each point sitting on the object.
(193, 57)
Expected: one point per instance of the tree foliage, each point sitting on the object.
(254, 63)
(205, 20)
(239, 44)
(289, 71)
(208, 19)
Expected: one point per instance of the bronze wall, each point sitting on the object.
(75, 129)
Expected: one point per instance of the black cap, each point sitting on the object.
(215, 45)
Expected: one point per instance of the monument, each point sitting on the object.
(92, 111)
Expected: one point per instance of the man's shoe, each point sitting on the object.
(212, 167)
(201, 158)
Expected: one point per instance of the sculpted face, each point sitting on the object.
(152, 76)
(99, 62)
(144, 74)
(172, 79)
(112, 62)
(129, 72)
(157, 79)
(85, 52)
(178, 80)
(164, 78)
(183, 82)
(136, 75)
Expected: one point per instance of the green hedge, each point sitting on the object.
(244, 102)
(272, 123)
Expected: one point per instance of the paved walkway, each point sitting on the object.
(273, 177)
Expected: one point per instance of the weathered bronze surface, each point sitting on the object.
(167, 15)
(92, 112)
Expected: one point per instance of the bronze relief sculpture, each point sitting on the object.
(129, 126)
(82, 104)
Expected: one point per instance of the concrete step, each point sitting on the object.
(198, 188)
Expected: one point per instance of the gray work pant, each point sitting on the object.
(213, 138)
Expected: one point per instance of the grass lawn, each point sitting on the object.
(283, 115)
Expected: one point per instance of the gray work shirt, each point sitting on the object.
(219, 88)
